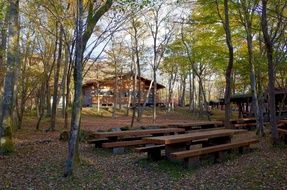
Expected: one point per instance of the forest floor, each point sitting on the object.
(39, 157)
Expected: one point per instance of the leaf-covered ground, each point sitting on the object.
(39, 158)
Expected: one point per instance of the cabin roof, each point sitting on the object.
(279, 92)
(110, 80)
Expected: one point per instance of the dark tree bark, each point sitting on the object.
(56, 82)
(13, 61)
(77, 103)
(3, 44)
(271, 78)
(64, 81)
(228, 73)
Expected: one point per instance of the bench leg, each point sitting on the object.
(174, 148)
(243, 149)
(219, 140)
(154, 155)
(219, 156)
(284, 138)
(98, 144)
(119, 150)
(193, 162)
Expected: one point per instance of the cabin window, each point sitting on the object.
(105, 92)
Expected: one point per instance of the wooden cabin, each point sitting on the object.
(105, 93)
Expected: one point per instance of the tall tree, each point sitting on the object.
(3, 40)
(246, 12)
(159, 41)
(77, 103)
(13, 60)
(228, 73)
(271, 78)
(81, 42)
(56, 81)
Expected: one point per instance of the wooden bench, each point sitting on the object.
(248, 126)
(191, 157)
(121, 139)
(153, 151)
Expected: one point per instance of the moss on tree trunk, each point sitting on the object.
(6, 142)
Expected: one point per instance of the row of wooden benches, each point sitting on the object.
(117, 139)
(191, 158)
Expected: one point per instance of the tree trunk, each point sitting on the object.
(64, 82)
(56, 82)
(205, 104)
(138, 67)
(68, 98)
(182, 101)
(13, 60)
(41, 97)
(154, 95)
(253, 79)
(228, 74)
(3, 43)
(134, 99)
(116, 91)
(271, 92)
(146, 97)
(77, 103)
(81, 41)
(172, 80)
(190, 89)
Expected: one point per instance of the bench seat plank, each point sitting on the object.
(212, 149)
(94, 141)
(147, 148)
(282, 131)
(189, 137)
(137, 132)
(123, 143)
(242, 125)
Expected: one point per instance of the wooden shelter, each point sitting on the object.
(119, 90)
(244, 104)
